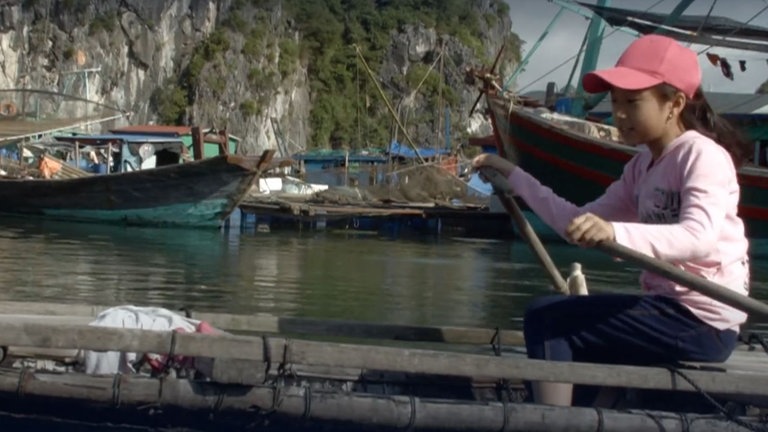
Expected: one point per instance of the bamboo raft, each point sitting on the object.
(267, 375)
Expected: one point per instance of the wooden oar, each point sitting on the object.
(502, 189)
(708, 288)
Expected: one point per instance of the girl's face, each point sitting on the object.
(646, 117)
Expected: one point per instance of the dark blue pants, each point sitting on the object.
(621, 329)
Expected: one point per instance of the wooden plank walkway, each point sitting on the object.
(468, 221)
(300, 210)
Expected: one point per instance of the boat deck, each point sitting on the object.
(745, 360)
(440, 377)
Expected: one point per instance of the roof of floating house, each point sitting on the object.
(107, 138)
(133, 141)
(406, 151)
(164, 130)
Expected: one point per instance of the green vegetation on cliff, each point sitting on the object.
(763, 88)
(346, 108)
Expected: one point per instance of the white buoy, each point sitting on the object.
(576, 282)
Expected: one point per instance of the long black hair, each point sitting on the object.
(699, 115)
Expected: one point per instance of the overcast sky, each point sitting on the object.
(530, 18)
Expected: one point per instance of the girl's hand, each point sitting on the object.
(496, 162)
(588, 230)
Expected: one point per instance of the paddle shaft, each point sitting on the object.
(526, 230)
(710, 289)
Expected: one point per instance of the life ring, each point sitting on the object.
(8, 109)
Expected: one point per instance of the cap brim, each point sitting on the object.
(617, 77)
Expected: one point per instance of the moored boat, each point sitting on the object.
(578, 158)
(197, 194)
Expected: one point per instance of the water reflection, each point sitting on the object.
(427, 281)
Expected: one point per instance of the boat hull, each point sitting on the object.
(196, 194)
(579, 167)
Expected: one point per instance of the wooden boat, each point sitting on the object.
(271, 379)
(198, 194)
(579, 158)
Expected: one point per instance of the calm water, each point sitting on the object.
(422, 281)
(435, 281)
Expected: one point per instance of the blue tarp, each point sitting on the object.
(406, 151)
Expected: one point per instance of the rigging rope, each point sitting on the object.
(760, 12)
(615, 29)
(704, 21)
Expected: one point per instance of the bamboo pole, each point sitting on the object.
(502, 190)
(696, 283)
(382, 411)
(275, 351)
(262, 323)
(389, 105)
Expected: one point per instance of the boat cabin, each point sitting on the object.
(212, 140)
(115, 153)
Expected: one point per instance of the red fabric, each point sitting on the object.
(713, 58)
(159, 363)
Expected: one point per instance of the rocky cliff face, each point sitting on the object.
(240, 72)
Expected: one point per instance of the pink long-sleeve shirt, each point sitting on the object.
(680, 208)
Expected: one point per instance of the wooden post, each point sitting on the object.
(77, 154)
(346, 169)
(108, 161)
(223, 142)
(197, 143)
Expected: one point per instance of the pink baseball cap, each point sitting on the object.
(649, 61)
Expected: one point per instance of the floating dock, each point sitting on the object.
(417, 218)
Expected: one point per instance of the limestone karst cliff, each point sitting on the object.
(238, 64)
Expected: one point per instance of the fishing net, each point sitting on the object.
(11, 168)
(417, 184)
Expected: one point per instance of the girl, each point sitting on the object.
(676, 201)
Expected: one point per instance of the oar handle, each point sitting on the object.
(502, 189)
(710, 289)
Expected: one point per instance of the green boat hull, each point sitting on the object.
(194, 194)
